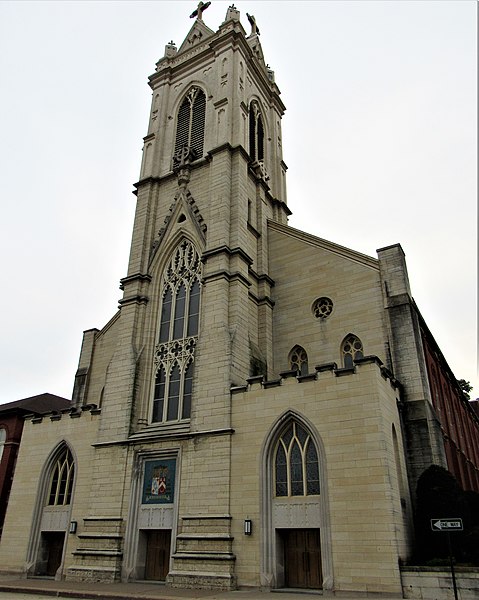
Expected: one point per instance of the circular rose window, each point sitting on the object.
(322, 307)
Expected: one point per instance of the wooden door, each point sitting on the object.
(54, 541)
(157, 554)
(302, 558)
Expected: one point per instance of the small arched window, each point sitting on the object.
(61, 483)
(296, 463)
(256, 132)
(298, 360)
(3, 439)
(351, 349)
(190, 130)
(179, 324)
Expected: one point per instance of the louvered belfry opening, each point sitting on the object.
(256, 132)
(190, 129)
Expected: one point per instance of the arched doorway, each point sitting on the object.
(296, 549)
(52, 515)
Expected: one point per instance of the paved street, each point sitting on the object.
(43, 589)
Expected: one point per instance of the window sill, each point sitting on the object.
(169, 429)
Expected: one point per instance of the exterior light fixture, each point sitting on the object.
(73, 526)
(248, 526)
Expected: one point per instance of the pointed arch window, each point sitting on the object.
(296, 463)
(298, 360)
(3, 439)
(256, 132)
(351, 350)
(190, 130)
(178, 334)
(61, 483)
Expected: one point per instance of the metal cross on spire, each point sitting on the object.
(202, 6)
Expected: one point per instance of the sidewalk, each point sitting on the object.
(151, 591)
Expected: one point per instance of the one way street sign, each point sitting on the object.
(446, 524)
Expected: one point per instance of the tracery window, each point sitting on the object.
(190, 129)
(296, 463)
(298, 360)
(256, 132)
(61, 483)
(179, 323)
(322, 307)
(352, 349)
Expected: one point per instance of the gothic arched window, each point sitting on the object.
(61, 483)
(179, 322)
(3, 439)
(298, 360)
(190, 130)
(296, 464)
(351, 350)
(256, 132)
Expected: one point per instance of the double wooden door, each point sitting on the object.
(302, 558)
(157, 554)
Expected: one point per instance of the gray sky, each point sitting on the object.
(379, 137)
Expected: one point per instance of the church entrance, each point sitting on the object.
(52, 551)
(302, 558)
(158, 542)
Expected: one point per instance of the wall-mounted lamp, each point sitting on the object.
(73, 526)
(248, 526)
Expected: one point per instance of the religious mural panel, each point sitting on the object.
(159, 481)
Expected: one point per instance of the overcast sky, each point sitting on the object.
(379, 136)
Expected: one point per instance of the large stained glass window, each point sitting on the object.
(178, 333)
(296, 463)
(61, 483)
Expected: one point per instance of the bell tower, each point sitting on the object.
(212, 172)
(196, 314)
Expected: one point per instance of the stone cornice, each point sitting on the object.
(137, 277)
(282, 205)
(229, 251)
(146, 436)
(227, 276)
(136, 299)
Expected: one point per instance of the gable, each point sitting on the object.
(308, 270)
(183, 220)
(198, 33)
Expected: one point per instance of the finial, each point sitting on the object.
(170, 49)
(198, 13)
(254, 27)
(182, 160)
(232, 14)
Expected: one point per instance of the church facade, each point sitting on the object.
(259, 409)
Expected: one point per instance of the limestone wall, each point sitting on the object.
(24, 510)
(362, 521)
(305, 268)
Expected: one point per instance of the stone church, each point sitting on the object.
(259, 409)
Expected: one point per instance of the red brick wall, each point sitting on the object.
(13, 425)
(459, 421)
